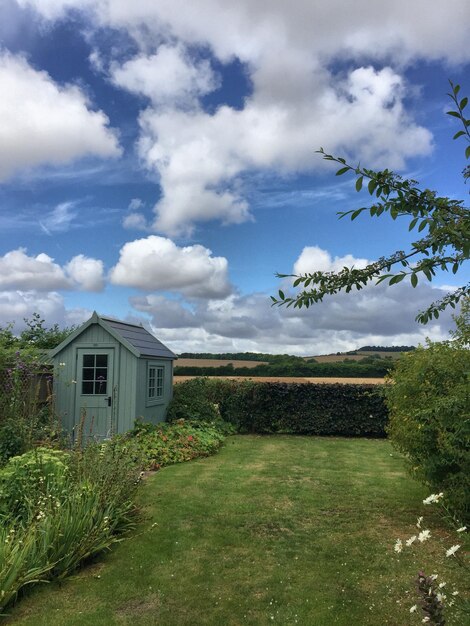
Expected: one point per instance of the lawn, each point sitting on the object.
(272, 530)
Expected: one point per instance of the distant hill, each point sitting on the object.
(362, 363)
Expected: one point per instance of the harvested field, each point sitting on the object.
(293, 379)
(216, 363)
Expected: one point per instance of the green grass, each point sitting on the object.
(272, 530)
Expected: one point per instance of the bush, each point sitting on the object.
(346, 410)
(429, 406)
(192, 403)
(29, 478)
(165, 444)
(59, 509)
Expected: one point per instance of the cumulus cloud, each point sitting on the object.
(315, 259)
(168, 77)
(157, 263)
(86, 272)
(39, 273)
(300, 99)
(199, 156)
(46, 123)
(374, 316)
(17, 305)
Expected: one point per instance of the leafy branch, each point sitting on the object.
(445, 222)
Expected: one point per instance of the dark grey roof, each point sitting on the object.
(140, 338)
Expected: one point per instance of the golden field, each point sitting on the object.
(293, 379)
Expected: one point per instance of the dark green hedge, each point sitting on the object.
(308, 409)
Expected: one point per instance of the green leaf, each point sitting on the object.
(414, 280)
(463, 103)
(281, 295)
(423, 225)
(412, 223)
(455, 89)
(458, 134)
(453, 113)
(372, 185)
(355, 214)
(396, 279)
(343, 170)
(359, 182)
(467, 152)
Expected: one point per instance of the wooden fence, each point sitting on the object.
(23, 391)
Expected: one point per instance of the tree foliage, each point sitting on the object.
(442, 225)
(429, 408)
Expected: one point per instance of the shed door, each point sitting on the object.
(94, 396)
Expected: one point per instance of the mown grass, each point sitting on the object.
(272, 530)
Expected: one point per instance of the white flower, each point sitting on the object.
(452, 550)
(398, 546)
(441, 597)
(433, 576)
(411, 540)
(462, 530)
(424, 535)
(455, 593)
(414, 608)
(418, 523)
(434, 497)
(425, 619)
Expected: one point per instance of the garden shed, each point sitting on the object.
(107, 373)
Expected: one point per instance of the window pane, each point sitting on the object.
(88, 360)
(101, 360)
(87, 388)
(100, 387)
(88, 373)
(101, 373)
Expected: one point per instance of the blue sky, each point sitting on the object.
(157, 162)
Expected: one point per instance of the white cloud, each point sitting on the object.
(136, 221)
(39, 273)
(135, 204)
(42, 122)
(59, 219)
(17, 305)
(156, 263)
(299, 101)
(314, 259)
(199, 156)
(168, 77)
(374, 316)
(86, 273)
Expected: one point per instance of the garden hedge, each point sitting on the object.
(306, 408)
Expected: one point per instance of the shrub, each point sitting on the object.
(192, 402)
(429, 404)
(165, 444)
(59, 509)
(346, 410)
(27, 479)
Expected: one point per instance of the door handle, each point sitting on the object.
(109, 400)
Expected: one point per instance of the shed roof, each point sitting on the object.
(134, 337)
(140, 338)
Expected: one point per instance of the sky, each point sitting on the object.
(158, 163)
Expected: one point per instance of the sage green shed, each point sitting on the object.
(107, 373)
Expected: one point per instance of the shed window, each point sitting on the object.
(155, 383)
(95, 374)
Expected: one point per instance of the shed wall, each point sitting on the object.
(129, 382)
(153, 412)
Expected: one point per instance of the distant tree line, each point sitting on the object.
(386, 349)
(296, 366)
